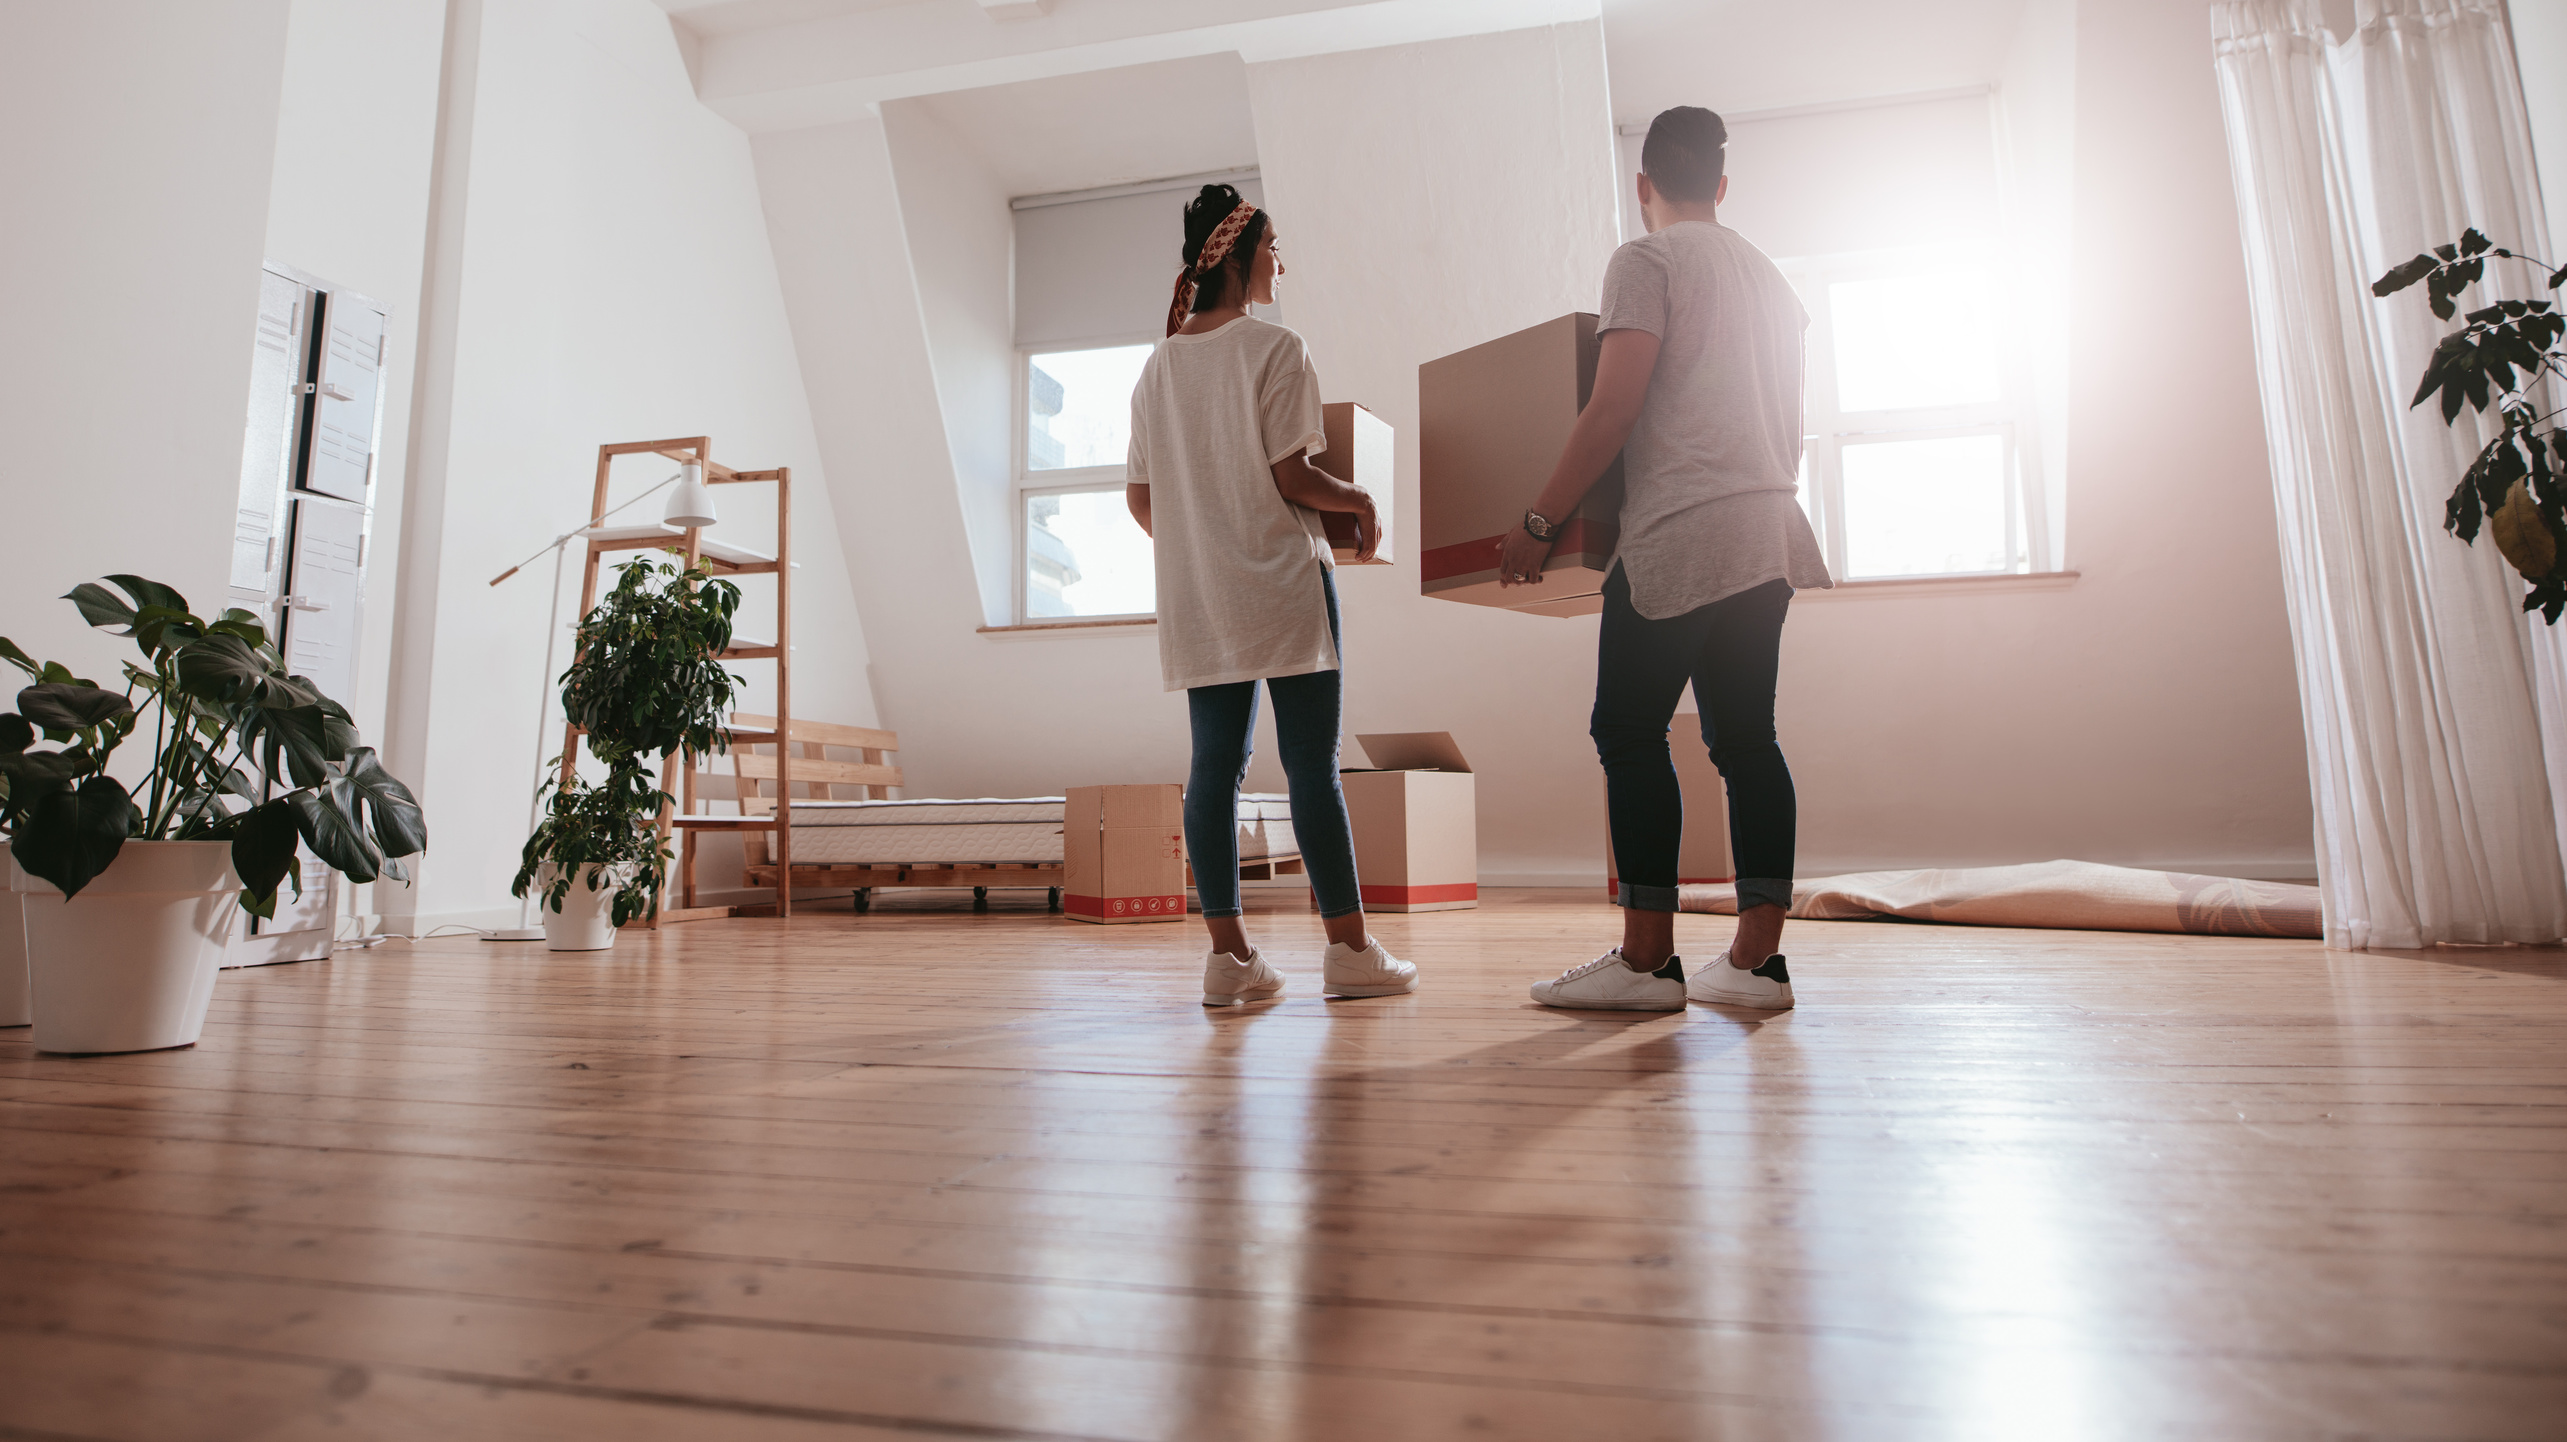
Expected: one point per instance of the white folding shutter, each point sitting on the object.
(322, 591)
(343, 418)
(276, 372)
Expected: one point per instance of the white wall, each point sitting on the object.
(962, 242)
(139, 142)
(599, 271)
(2540, 37)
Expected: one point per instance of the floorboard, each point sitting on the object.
(930, 1172)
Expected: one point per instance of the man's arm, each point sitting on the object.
(1624, 362)
(1136, 498)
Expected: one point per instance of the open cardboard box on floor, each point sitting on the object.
(1491, 422)
(1359, 451)
(1416, 817)
(1703, 855)
(1123, 853)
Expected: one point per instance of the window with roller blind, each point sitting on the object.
(1093, 274)
(1913, 462)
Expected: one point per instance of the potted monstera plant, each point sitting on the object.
(127, 892)
(647, 680)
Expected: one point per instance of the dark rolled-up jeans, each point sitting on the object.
(1307, 714)
(1729, 650)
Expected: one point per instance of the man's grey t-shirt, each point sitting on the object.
(1712, 470)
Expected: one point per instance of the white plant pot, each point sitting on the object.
(129, 964)
(14, 1008)
(586, 921)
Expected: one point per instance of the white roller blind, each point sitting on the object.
(1102, 269)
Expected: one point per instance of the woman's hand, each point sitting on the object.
(1520, 558)
(1368, 528)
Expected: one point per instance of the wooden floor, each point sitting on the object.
(930, 1173)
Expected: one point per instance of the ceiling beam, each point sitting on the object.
(822, 72)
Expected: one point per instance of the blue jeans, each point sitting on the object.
(1730, 650)
(1307, 716)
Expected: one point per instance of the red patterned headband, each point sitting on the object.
(1216, 249)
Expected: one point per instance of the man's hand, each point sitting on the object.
(1520, 558)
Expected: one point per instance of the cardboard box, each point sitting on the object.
(1416, 817)
(1123, 853)
(1492, 421)
(1703, 854)
(1359, 450)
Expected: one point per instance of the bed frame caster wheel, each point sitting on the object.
(980, 898)
(863, 899)
(1056, 898)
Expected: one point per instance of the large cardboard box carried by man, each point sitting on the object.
(1491, 422)
(1416, 820)
(1123, 853)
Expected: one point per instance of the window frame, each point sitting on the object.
(1828, 430)
(1061, 481)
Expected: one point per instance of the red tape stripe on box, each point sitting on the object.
(1421, 895)
(1123, 906)
(1578, 536)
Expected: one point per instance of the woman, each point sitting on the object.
(1224, 420)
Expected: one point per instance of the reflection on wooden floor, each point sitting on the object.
(932, 1173)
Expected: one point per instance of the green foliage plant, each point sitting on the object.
(2517, 487)
(647, 681)
(242, 752)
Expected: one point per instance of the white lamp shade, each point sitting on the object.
(691, 504)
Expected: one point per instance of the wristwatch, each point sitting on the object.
(1538, 528)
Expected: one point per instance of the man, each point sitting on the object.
(1698, 386)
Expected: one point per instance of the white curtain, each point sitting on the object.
(2436, 712)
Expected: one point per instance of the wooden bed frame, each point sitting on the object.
(817, 776)
(866, 776)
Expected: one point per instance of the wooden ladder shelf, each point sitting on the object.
(678, 772)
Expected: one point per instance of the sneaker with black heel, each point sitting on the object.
(1606, 984)
(1766, 988)
(1228, 981)
(1373, 971)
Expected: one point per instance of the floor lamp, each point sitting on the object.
(691, 505)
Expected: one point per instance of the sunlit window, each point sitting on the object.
(1082, 554)
(1914, 464)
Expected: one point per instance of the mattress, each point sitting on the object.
(987, 830)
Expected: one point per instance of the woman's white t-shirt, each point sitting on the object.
(1239, 566)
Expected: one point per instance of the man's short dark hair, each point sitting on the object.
(1683, 154)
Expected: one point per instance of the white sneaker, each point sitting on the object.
(1231, 982)
(1372, 971)
(1605, 984)
(1767, 988)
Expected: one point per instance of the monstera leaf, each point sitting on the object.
(73, 835)
(60, 707)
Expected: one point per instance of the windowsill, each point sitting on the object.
(1897, 586)
(1033, 627)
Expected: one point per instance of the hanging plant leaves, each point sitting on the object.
(263, 855)
(323, 818)
(400, 828)
(72, 836)
(57, 706)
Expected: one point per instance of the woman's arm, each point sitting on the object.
(1624, 362)
(1137, 499)
(1304, 484)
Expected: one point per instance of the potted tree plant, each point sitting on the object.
(126, 894)
(647, 680)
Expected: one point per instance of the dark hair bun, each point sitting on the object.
(1204, 214)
